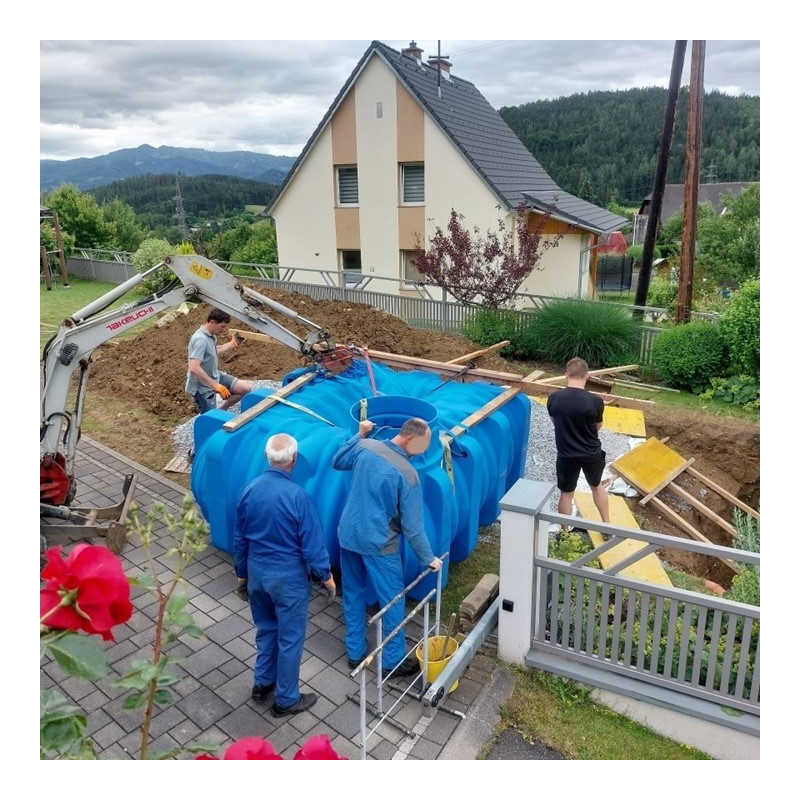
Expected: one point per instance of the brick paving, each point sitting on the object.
(212, 699)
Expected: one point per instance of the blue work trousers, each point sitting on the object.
(386, 575)
(279, 603)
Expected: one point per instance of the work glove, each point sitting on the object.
(222, 391)
(241, 591)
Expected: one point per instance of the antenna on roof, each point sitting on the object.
(439, 65)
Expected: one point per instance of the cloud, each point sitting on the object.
(269, 96)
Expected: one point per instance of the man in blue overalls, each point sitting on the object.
(384, 501)
(277, 545)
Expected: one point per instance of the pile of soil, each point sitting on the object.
(150, 370)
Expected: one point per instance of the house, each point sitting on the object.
(403, 143)
(672, 203)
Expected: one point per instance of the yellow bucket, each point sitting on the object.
(435, 645)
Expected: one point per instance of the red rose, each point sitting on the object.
(251, 749)
(318, 748)
(92, 587)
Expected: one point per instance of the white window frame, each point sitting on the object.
(339, 201)
(403, 201)
(404, 255)
(347, 272)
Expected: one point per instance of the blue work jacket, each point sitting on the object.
(278, 529)
(385, 500)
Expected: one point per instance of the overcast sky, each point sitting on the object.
(268, 96)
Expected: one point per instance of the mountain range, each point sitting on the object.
(87, 173)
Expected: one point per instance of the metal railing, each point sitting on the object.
(376, 656)
(701, 645)
(423, 311)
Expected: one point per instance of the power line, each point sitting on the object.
(483, 46)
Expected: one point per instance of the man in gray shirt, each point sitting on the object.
(204, 380)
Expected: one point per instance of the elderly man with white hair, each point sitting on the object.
(277, 546)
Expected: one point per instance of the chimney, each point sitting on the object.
(437, 62)
(412, 51)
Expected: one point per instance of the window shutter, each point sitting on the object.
(414, 184)
(348, 185)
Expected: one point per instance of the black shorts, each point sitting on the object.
(568, 470)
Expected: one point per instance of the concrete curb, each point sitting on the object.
(470, 737)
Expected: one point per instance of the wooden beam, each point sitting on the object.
(645, 386)
(258, 337)
(720, 491)
(533, 376)
(703, 509)
(48, 278)
(595, 372)
(678, 520)
(478, 416)
(479, 353)
(491, 376)
(671, 477)
(267, 403)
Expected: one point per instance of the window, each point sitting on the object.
(351, 266)
(347, 178)
(412, 177)
(409, 272)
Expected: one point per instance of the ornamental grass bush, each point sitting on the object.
(602, 334)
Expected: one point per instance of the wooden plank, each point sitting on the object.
(479, 353)
(667, 480)
(180, 464)
(703, 509)
(481, 414)
(259, 337)
(268, 402)
(722, 492)
(648, 465)
(48, 278)
(598, 372)
(491, 376)
(645, 386)
(684, 525)
(532, 377)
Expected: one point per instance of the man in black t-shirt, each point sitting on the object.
(577, 416)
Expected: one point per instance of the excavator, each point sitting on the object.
(196, 279)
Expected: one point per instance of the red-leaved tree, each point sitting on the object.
(488, 268)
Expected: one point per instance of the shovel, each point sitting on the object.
(450, 626)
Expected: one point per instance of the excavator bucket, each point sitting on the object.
(61, 522)
(336, 361)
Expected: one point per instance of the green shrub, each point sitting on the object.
(150, 253)
(636, 251)
(662, 293)
(604, 335)
(490, 326)
(741, 327)
(740, 390)
(746, 585)
(689, 356)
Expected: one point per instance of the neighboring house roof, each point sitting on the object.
(706, 193)
(465, 117)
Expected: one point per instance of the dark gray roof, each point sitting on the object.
(706, 193)
(464, 115)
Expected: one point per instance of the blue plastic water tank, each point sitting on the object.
(461, 490)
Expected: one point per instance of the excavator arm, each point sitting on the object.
(197, 279)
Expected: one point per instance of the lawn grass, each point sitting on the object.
(560, 714)
(56, 305)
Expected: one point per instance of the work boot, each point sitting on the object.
(354, 662)
(406, 669)
(303, 704)
(262, 691)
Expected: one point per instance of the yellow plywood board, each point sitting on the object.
(647, 466)
(629, 421)
(646, 569)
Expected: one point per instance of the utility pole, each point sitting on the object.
(691, 181)
(657, 196)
